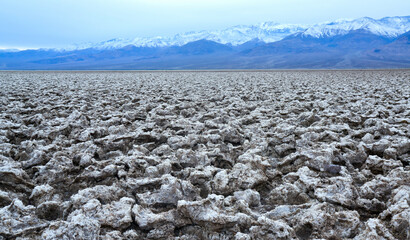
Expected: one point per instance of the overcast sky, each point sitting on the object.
(58, 23)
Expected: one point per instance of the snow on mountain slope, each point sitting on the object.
(388, 27)
(266, 32)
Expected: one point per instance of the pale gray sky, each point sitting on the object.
(58, 23)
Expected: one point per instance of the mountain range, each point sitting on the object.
(358, 43)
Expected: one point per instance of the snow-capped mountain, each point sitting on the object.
(358, 43)
(267, 32)
(387, 27)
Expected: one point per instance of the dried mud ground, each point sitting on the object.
(205, 155)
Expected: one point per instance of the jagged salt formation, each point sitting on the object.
(205, 155)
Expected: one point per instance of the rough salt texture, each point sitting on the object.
(205, 155)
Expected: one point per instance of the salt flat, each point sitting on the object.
(205, 155)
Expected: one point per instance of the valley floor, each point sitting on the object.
(205, 155)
